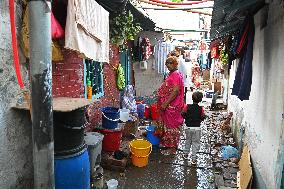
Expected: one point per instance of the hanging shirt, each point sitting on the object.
(243, 78)
(161, 50)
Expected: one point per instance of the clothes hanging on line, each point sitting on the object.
(87, 29)
(161, 51)
(144, 48)
(243, 78)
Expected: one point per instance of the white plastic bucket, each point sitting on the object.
(124, 114)
(112, 184)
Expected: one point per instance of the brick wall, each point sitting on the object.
(68, 76)
(112, 96)
(68, 81)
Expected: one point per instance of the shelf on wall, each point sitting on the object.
(60, 104)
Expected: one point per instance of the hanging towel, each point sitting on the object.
(87, 29)
(56, 49)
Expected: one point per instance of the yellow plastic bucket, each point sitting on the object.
(140, 150)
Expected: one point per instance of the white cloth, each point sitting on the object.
(161, 50)
(185, 68)
(87, 29)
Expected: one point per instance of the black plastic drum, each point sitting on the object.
(68, 140)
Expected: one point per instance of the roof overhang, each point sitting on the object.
(229, 15)
(117, 6)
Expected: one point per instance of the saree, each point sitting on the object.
(171, 118)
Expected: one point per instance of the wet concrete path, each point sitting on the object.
(172, 171)
(176, 172)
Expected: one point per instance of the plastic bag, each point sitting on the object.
(228, 152)
(57, 31)
(120, 77)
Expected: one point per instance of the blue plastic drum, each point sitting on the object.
(72, 172)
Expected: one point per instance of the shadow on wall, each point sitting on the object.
(257, 181)
(239, 136)
(280, 160)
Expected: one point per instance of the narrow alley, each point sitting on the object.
(141, 94)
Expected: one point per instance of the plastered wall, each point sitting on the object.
(261, 116)
(16, 169)
(147, 81)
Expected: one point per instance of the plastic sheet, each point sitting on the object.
(228, 152)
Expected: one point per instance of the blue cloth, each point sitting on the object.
(243, 78)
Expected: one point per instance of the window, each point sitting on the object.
(126, 64)
(94, 75)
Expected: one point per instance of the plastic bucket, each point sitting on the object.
(110, 117)
(141, 110)
(147, 112)
(112, 184)
(151, 137)
(124, 114)
(154, 112)
(72, 172)
(140, 150)
(112, 139)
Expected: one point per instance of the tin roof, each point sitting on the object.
(117, 6)
(228, 16)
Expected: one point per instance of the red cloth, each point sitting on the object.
(243, 39)
(170, 137)
(57, 31)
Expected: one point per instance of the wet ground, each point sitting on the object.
(169, 171)
(176, 171)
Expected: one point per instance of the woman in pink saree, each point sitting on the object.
(170, 104)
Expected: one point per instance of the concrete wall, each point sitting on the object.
(147, 81)
(261, 116)
(16, 168)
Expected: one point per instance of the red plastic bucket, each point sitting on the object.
(154, 112)
(147, 112)
(112, 139)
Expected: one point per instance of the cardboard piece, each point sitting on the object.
(217, 87)
(60, 104)
(244, 176)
